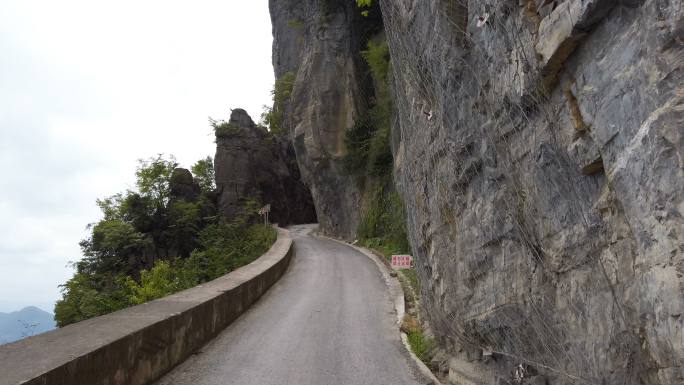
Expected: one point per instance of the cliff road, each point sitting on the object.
(329, 320)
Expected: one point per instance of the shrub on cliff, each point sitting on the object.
(225, 247)
(88, 295)
(223, 129)
(369, 157)
(383, 225)
(160, 239)
(274, 117)
(378, 58)
(163, 279)
(369, 152)
(364, 4)
(357, 141)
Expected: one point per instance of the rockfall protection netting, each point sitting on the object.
(509, 231)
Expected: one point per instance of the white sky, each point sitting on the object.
(87, 87)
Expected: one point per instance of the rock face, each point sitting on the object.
(320, 42)
(183, 186)
(539, 149)
(538, 146)
(252, 163)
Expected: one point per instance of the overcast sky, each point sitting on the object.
(87, 87)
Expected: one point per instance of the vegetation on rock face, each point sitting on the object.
(383, 225)
(357, 140)
(368, 142)
(160, 239)
(224, 247)
(274, 117)
(223, 129)
(378, 58)
(369, 157)
(364, 4)
(421, 345)
(295, 23)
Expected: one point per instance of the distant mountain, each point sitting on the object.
(24, 323)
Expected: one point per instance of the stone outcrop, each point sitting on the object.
(538, 148)
(183, 186)
(250, 162)
(320, 42)
(545, 192)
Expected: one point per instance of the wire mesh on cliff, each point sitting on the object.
(499, 213)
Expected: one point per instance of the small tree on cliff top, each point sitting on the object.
(203, 171)
(153, 176)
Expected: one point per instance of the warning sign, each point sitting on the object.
(402, 262)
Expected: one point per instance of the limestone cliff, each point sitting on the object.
(319, 42)
(251, 163)
(540, 155)
(538, 147)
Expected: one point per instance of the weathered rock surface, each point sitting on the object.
(252, 163)
(545, 192)
(538, 146)
(320, 42)
(183, 186)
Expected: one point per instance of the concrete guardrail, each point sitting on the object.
(137, 345)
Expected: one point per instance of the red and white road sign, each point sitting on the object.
(402, 262)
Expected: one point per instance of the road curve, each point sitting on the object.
(328, 321)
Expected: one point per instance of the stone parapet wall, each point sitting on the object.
(139, 344)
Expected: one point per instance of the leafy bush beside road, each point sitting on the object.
(161, 238)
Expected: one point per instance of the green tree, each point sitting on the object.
(149, 244)
(113, 247)
(203, 171)
(185, 222)
(139, 211)
(282, 91)
(86, 295)
(163, 279)
(112, 206)
(153, 176)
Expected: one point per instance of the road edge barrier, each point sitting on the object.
(139, 344)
